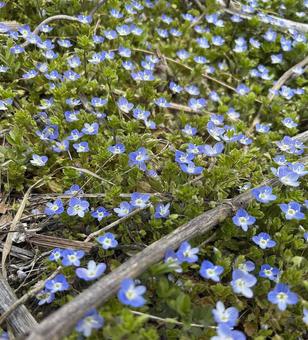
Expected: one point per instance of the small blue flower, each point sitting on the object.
(189, 130)
(124, 105)
(81, 147)
(98, 102)
(298, 168)
(270, 35)
(286, 176)
(162, 211)
(282, 296)
(213, 151)
(130, 294)
(292, 210)
(171, 259)
(57, 284)
(74, 190)
(197, 103)
(71, 116)
(226, 316)
(215, 131)
(54, 208)
(90, 129)
(305, 317)
(263, 240)
(138, 158)
(38, 160)
(107, 241)
(100, 213)
(91, 320)
(183, 157)
(269, 272)
(92, 272)
(162, 102)
(84, 19)
(44, 296)
(186, 253)
(243, 219)
(116, 149)
(124, 209)
(191, 169)
(61, 146)
(217, 40)
(289, 123)
(247, 266)
(72, 257)
(210, 271)
(242, 282)
(77, 207)
(139, 200)
(263, 194)
(55, 255)
(74, 61)
(225, 332)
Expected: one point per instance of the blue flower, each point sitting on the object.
(242, 89)
(225, 332)
(162, 102)
(116, 149)
(90, 129)
(305, 318)
(162, 211)
(107, 241)
(141, 114)
(44, 296)
(247, 266)
(197, 103)
(269, 272)
(93, 271)
(81, 147)
(175, 87)
(213, 151)
(100, 213)
(243, 219)
(226, 316)
(77, 207)
(186, 253)
(191, 169)
(139, 200)
(98, 102)
(210, 271)
(189, 130)
(270, 35)
(183, 157)
(124, 105)
(124, 209)
(286, 176)
(55, 255)
(57, 284)
(217, 40)
(71, 75)
(91, 320)
(282, 296)
(38, 160)
(71, 116)
(74, 190)
(138, 158)
(263, 194)
(171, 259)
(72, 257)
(292, 211)
(215, 131)
(183, 54)
(84, 19)
(289, 123)
(263, 240)
(54, 208)
(298, 168)
(130, 294)
(61, 146)
(242, 282)
(193, 90)
(277, 58)
(74, 61)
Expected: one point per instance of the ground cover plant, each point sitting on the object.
(153, 169)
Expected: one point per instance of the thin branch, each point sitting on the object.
(38, 287)
(21, 320)
(277, 86)
(115, 223)
(169, 320)
(273, 20)
(58, 324)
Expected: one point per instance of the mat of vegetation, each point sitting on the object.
(124, 120)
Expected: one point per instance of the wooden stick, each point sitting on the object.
(21, 321)
(58, 324)
(37, 288)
